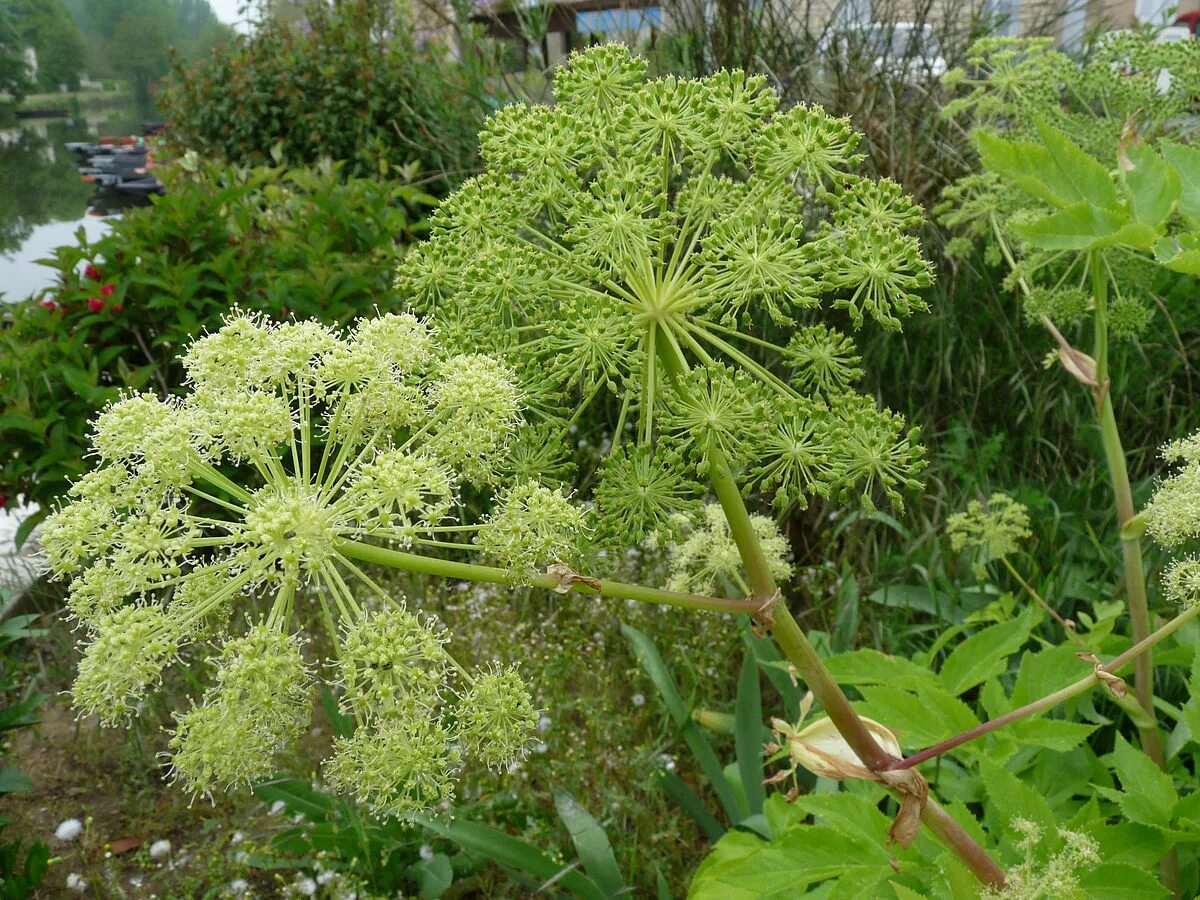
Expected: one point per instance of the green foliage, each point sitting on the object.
(21, 868)
(1026, 792)
(352, 86)
(47, 27)
(304, 242)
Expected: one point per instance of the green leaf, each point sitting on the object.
(433, 876)
(1055, 171)
(748, 737)
(1011, 798)
(917, 720)
(1023, 163)
(985, 654)
(904, 893)
(1186, 163)
(1180, 253)
(872, 667)
(679, 791)
(744, 867)
(13, 782)
(1085, 227)
(1052, 734)
(508, 851)
(25, 529)
(342, 725)
(1148, 794)
(650, 660)
(1152, 186)
(591, 843)
(1118, 881)
(1075, 175)
(298, 796)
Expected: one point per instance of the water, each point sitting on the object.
(42, 201)
(42, 206)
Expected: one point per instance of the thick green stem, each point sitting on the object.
(801, 653)
(446, 568)
(1131, 549)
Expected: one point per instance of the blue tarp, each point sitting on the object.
(603, 21)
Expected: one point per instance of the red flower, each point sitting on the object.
(107, 290)
(92, 272)
(3, 500)
(117, 307)
(95, 304)
(48, 304)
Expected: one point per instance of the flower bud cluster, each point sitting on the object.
(640, 228)
(397, 682)
(995, 529)
(707, 559)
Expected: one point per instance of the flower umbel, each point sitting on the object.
(295, 443)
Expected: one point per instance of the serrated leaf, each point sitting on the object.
(1052, 734)
(1179, 253)
(1152, 186)
(1074, 174)
(1023, 163)
(1118, 881)
(1085, 227)
(985, 654)
(1186, 163)
(1011, 798)
(872, 667)
(1148, 794)
(744, 867)
(917, 720)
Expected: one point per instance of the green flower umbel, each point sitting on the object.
(646, 247)
(294, 444)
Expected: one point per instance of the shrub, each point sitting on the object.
(351, 87)
(299, 242)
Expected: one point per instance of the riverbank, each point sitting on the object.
(71, 102)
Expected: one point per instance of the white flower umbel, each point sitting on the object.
(234, 503)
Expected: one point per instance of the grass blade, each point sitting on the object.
(591, 843)
(748, 736)
(648, 656)
(509, 851)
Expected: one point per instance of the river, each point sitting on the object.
(42, 201)
(42, 206)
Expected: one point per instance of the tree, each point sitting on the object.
(47, 27)
(14, 75)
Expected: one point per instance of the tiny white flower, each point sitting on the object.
(237, 838)
(639, 700)
(277, 807)
(240, 886)
(541, 748)
(327, 876)
(160, 849)
(426, 852)
(68, 829)
(306, 887)
(544, 724)
(76, 882)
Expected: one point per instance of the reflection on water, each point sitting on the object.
(42, 201)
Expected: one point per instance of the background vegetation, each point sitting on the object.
(323, 241)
